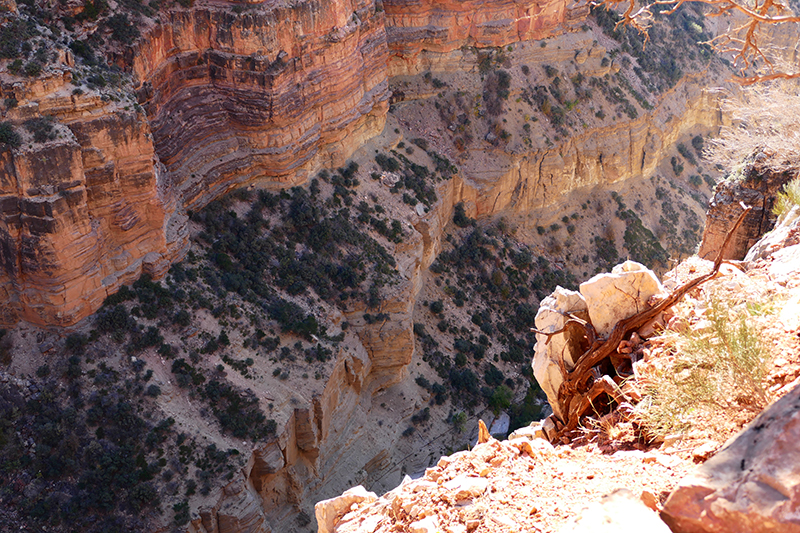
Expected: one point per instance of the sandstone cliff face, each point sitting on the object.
(599, 157)
(442, 27)
(263, 95)
(83, 214)
(758, 189)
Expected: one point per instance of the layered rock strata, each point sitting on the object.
(267, 94)
(442, 27)
(83, 214)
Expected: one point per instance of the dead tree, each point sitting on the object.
(582, 383)
(743, 38)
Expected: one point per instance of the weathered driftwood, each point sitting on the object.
(580, 387)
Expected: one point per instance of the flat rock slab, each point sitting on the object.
(752, 485)
(618, 512)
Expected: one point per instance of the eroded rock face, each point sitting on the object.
(268, 94)
(82, 216)
(442, 27)
(753, 484)
(757, 189)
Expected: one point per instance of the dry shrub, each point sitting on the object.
(765, 128)
(716, 373)
(788, 198)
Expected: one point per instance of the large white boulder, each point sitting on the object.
(618, 295)
(549, 318)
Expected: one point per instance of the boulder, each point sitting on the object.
(500, 424)
(533, 431)
(782, 236)
(618, 295)
(752, 485)
(328, 511)
(564, 346)
(618, 512)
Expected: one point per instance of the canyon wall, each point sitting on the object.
(264, 95)
(420, 26)
(81, 214)
(600, 157)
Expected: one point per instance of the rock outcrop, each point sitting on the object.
(265, 95)
(618, 295)
(753, 484)
(82, 214)
(602, 301)
(757, 188)
(441, 27)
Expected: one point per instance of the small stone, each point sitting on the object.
(704, 451)
(650, 500)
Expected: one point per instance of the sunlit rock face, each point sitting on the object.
(440, 27)
(267, 94)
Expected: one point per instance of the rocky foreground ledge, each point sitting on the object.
(610, 479)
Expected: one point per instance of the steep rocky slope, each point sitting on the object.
(527, 482)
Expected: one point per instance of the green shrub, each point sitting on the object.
(787, 198)
(9, 136)
(33, 68)
(41, 128)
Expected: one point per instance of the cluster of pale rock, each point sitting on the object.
(602, 301)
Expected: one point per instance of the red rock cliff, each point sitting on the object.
(441, 27)
(82, 214)
(267, 94)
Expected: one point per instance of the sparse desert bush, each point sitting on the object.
(9, 136)
(716, 373)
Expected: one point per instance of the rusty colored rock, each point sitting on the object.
(753, 484)
(268, 95)
(758, 189)
(442, 27)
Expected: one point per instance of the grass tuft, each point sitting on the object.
(788, 198)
